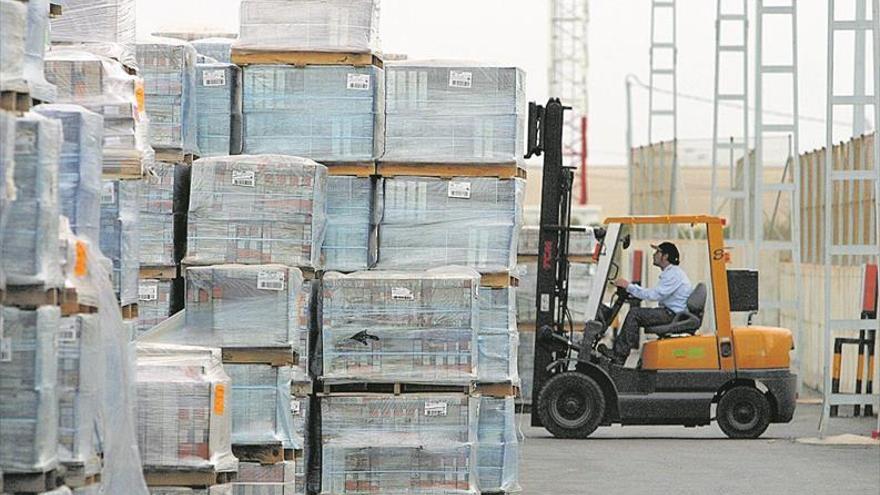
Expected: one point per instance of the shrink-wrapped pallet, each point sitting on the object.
(261, 404)
(498, 340)
(79, 389)
(28, 378)
(272, 479)
(256, 210)
(30, 237)
(579, 243)
(13, 30)
(36, 41)
(7, 184)
(103, 86)
(79, 178)
(326, 113)
(108, 21)
(218, 93)
(183, 415)
(385, 326)
(219, 49)
(412, 443)
(120, 237)
(157, 301)
(310, 25)
(168, 68)
(580, 281)
(349, 244)
(454, 112)
(428, 222)
(498, 446)
(164, 200)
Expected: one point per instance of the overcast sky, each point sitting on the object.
(516, 32)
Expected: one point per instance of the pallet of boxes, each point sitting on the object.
(581, 247)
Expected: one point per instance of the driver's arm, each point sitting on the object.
(667, 286)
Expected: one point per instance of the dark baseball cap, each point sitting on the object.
(669, 250)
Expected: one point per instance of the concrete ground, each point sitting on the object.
(677, 460)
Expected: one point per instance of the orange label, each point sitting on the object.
(139, 94)
(219, 399)
(80, 266)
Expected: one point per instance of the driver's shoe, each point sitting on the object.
(611, 355)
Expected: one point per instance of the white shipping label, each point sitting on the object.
(436, 408)
(68, 330)
(108, 193)
(359, 81)
(148, 292)
(545, 302)
(459, 190)
(270, 280)
(401, 294)
(245, 178)
(5, 350)
(295, 407)
(461, 79)
(214, 77)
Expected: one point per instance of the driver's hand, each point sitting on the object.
(622, 283)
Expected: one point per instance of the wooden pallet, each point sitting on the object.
(70, 304)
(129, 311)
(266, 453)
(272, 356)
(396, 388)
(242, 57)
(499, 280)
(499, 390)
(190, 477)
(451, 170)
(15, 101)
(159, 272)
(30, 482)
(301, 389)
(124, 166)
(31, 297)
(533, 259)
(361, 169)
(175, 156)
(79, 474)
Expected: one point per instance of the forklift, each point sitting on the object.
(741, 374)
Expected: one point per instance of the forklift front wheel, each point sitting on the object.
(743, 412)
(571, 405)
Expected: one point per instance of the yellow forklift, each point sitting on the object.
(743, 373)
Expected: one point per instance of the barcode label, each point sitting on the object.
(461, 79)
(148, 292)
(545, 302)
(68, 330)
(270, 280)
(108, 193)
(436, 408)
(5, 350)
(459, 190)
(246, 178)
(214, 78)
(295, 407)
(360, 82)
(401, 294)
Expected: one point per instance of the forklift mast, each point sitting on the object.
(545, 138)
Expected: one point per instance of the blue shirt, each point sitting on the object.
(672, 291)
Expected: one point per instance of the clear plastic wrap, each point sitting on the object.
(225, 489)
(218, 93)
(580, 243)
(164, 200)
(79, 389)
(168, 67)
(155, 302)
(260, 404)
(526, 361)
(498, 446)
(257, 209)
(7, 170)
(454, 112)
(184, 411)
(93, 489)
(498, 340)
(580, 281)
(304, 328)
(272, 479)
(310, 25)
(80, 167)
(120, 235)
(13, 30)
(416, 327)
(349, 242)
(108, 21)
(428, 222)
(36, 41)
(326, 113)
(103, 86)
(299, 410)
(28, 377)
(30, 237)
(413, 443)
(219, 49)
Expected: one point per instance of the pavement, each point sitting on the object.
(676, 460)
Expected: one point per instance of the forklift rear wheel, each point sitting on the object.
(571, 405)
(743, 412)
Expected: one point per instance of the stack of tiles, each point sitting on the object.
(7, 184)
(218, 93)
(120, 235)
(13, 26)
(498, 446)
(219, 49)
(95, 21)
(498, 339)
(168, 68)
(438, 112)
(349, 244)
(36, 34)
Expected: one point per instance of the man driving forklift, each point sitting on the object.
(671, 293)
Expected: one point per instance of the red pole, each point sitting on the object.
(584, 194)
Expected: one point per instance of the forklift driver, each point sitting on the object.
(671, 293)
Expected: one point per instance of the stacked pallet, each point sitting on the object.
(218, 93)
(25, 28)
(581, 247)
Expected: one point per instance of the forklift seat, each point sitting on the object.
(688, 321)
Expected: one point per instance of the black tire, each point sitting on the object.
(743, 412)
(571, 405)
